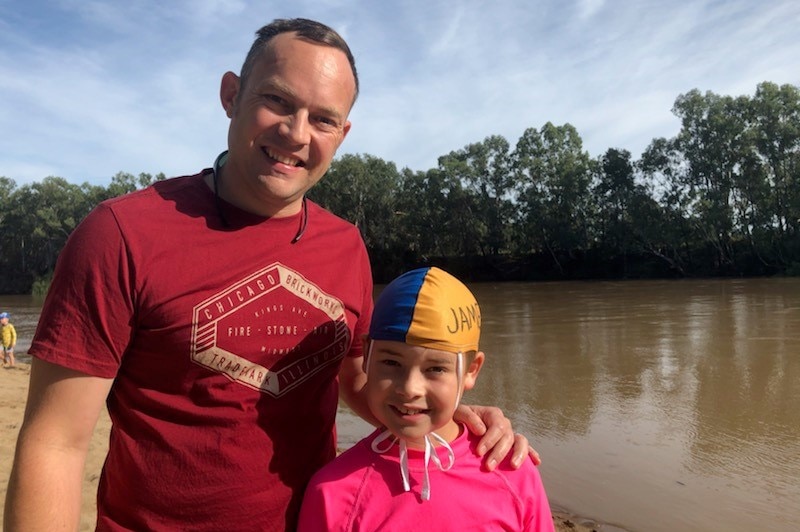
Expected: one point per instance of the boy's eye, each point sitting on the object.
(389, 362)
(437, 369)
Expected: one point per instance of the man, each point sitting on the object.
(220, 314)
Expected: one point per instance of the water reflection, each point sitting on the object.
(658, 406)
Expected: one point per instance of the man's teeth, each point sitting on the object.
(291, 161)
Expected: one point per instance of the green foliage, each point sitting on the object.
(41, 285)
(37, 218)
(722, 197)
(793, 270)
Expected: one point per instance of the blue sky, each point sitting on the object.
(90, 88)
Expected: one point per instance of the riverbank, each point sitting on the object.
(13, 393)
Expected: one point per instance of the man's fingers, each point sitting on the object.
(499, 438)
(523, 449)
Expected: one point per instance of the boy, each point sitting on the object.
(422, 355)
(9, 338)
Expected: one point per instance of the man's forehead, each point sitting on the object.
(293, 53)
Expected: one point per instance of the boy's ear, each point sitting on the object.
(471, 375)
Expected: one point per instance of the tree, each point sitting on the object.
(484, 168)
(614, 189)
(553, 175)
(42, 215)
(775, 119)
(362, 189)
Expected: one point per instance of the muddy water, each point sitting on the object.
(656, 405)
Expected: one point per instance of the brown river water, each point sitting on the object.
(656, 405)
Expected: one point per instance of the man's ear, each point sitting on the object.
(229, 91)
(365, 343)
(474, 368)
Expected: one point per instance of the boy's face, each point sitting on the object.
(413, 390)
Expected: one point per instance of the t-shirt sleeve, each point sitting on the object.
(362, 325)
(88, 315)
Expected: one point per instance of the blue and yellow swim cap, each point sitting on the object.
(428, 307)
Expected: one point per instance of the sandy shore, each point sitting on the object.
(13, 393)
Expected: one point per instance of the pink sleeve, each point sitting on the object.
(539, 517)
(312, 512)
(87, 317)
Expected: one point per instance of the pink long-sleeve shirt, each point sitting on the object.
(362, 490)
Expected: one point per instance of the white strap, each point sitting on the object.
(430, 453)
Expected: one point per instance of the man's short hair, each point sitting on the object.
(309, 30)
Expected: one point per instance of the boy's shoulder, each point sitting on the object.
(357, 458)
(504, 469)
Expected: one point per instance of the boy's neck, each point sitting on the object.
(448, 433)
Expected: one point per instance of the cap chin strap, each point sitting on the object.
(460, 373)
(430, 453)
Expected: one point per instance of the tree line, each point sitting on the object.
(721, 198)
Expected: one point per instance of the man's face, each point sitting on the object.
(286, 124)
(413, 390)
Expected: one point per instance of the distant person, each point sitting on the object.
(419, 471)
(9, 338)
(219, 317)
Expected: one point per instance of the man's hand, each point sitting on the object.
(498, 435)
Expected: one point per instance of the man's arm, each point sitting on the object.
(44, 491)
(351, 388)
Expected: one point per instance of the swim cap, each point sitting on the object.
(428, 307)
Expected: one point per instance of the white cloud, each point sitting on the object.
(93, 87)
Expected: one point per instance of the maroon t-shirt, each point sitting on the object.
(225, 343)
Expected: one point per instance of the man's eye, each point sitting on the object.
(327, 122)
(276, 101)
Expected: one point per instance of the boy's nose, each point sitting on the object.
(412, 385)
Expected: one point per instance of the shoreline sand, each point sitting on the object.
(13, 394)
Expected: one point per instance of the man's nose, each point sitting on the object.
(296, 128)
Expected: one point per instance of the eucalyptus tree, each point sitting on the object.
(432, 207)
(668, 229)
(42, 215)
(362, 189)
(552, 174)
(124, 183)
(7, 188)
(484, 168)
(9, 246)
(419, 213)
(775, 119)
(713, 140)
(613, 189)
